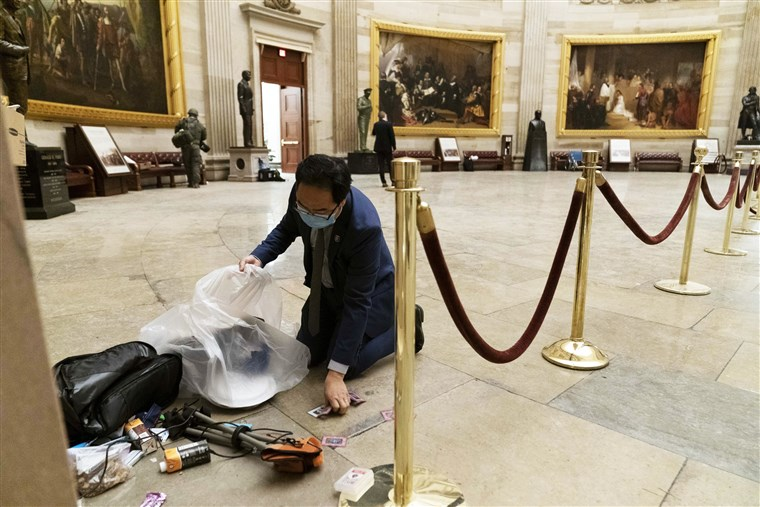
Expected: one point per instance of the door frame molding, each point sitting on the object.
(282, 30)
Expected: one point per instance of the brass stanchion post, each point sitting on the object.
(683, 285)
(575, 352)
(744, 229)
(725, 250)
(407, 485)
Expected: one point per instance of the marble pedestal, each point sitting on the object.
(244, 162)
(43, 184)
(362, 162)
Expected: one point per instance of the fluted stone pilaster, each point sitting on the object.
(221, 109)
(533, 65)
(344, 70)
(748, 73)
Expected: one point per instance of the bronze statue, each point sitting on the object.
(191, 150)
(750, 115)
(364, 111)
(245, 99)
(14, 56)
(535, 147)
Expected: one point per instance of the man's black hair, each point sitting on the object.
(329, 173)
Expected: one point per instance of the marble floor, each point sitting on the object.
(673, 420)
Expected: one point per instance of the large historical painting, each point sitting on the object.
(436, 82)
(637, 86)
(102, 61)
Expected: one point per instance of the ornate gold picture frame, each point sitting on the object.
(637, 86)
(435, 82)
(108, 62)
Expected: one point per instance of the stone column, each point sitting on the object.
(532, 72)
(344, 70)
(222, 77)
(748, 73)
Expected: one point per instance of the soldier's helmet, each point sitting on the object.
(192, 112)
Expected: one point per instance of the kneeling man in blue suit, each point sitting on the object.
(348, 318)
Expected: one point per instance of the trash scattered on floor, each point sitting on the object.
(355, 483)
(334, 441)
(154, 499)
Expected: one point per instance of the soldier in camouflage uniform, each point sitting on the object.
(191, 152)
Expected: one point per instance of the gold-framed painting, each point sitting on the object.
(637, 86)
(107, 62)
(436, 82)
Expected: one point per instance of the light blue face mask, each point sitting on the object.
(317, 221)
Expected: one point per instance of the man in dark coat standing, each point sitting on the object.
(385, 143)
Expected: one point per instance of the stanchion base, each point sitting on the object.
(733, 252)
(429, 489)
(749, 232)
(687, 289)
(575, 354)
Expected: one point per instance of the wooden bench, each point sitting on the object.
(80, 180)
(425, 157)
(485, 158)
(158, 164)
(657, 161)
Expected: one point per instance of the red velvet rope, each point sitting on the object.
(757, 179)
(743, 194)
(635, 228)
(729, 194)
(458, 314)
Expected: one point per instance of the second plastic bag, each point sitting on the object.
(233, 352)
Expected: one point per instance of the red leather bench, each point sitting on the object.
(158, 164)
(425, 157)
(657, 161)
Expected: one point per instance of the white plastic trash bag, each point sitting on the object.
(233, 352)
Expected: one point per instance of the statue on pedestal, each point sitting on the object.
(535, 147)
(364, 111)
(750, 115)
(245, 99)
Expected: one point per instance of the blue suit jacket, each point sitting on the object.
(360, 265)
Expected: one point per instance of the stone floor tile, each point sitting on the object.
(671, 348)
(700, 485)
(707, 421)
(85, 333)
(85, 296)
(742, 370)
(530, 375)
(376, 386)
(519, 452)
(731, 323)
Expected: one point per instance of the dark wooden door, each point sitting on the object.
(291, 127)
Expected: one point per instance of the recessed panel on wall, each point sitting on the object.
(436, 82)
(654, 85)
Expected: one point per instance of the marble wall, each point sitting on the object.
(204, 28)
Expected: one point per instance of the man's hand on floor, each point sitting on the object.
(336, 393)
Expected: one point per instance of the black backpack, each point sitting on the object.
(100, 392)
